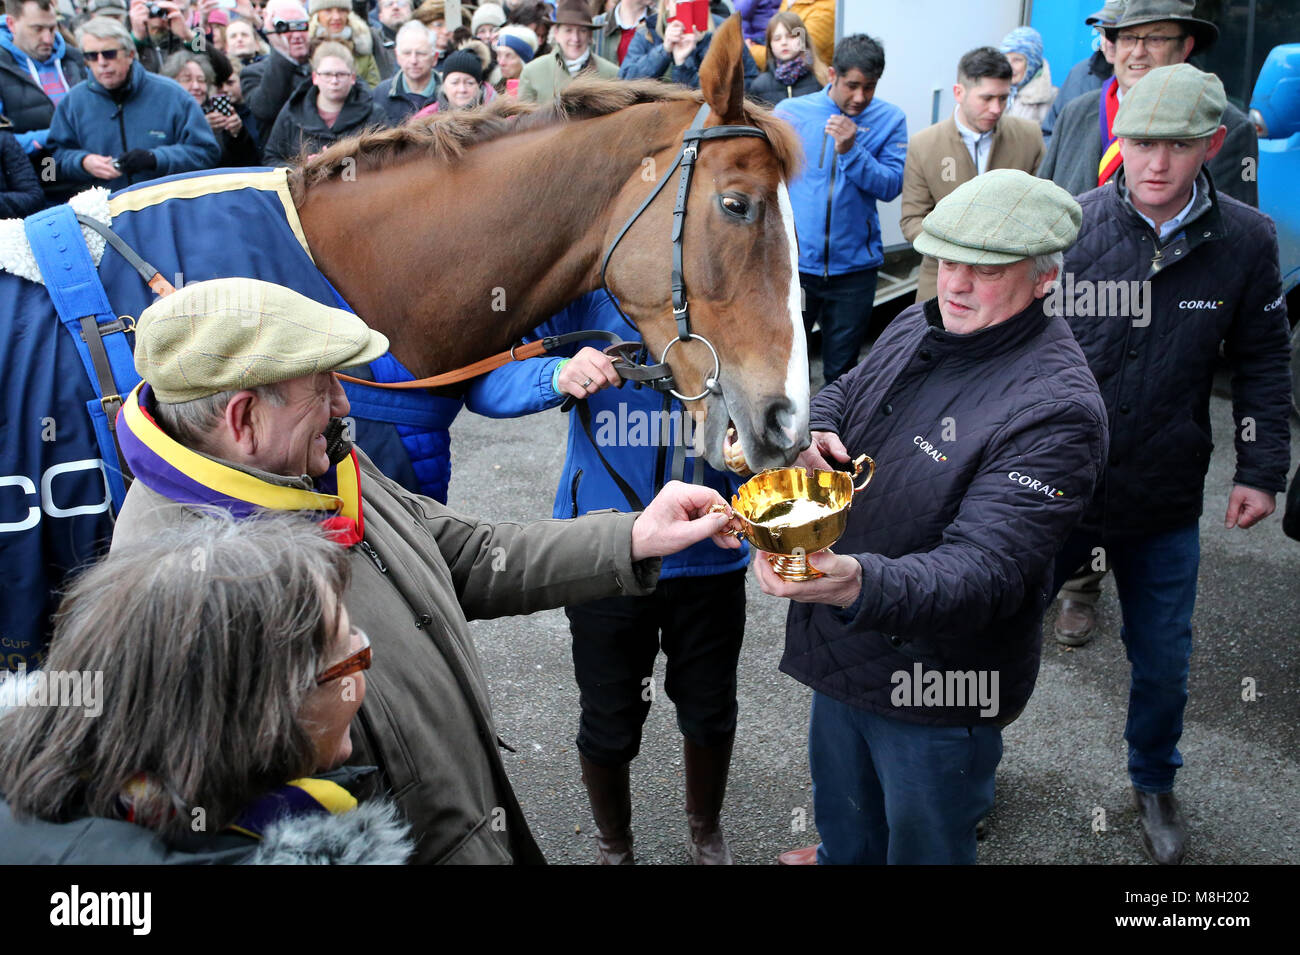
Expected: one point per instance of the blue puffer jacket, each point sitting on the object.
(626, 425)
(987, 447)
(647, 59)
(157, 115)
(843, 234)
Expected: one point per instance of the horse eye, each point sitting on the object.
(735, 206)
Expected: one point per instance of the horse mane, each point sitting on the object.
(447, 136)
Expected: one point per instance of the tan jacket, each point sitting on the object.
(426, 721)
(938, 162)
(546, 77)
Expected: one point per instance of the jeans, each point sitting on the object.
(886, 791)
(1156, 580)
(700, 624)
(842, 305)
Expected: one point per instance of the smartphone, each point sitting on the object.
(512, 87)
(220, 104)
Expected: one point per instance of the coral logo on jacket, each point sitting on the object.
(929, 449)
(1201, 303)
(1033, 484)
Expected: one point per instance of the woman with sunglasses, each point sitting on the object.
(216, 671)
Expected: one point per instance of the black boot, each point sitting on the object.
(1164, 831)
(706, 784)
(609, 790)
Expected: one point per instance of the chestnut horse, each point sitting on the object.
(457, 235)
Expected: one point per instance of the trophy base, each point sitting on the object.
(794, 567)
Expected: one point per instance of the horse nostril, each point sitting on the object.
(779, 424)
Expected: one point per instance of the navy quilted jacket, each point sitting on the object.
(987, 449)
(1215, 281)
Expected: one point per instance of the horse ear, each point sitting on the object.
(722, 74)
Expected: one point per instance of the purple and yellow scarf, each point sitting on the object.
(187, 477)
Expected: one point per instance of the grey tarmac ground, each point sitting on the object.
(1063, 770)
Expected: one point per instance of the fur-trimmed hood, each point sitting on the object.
(356, 35)
(372, 834)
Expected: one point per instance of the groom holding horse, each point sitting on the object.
(240, 411)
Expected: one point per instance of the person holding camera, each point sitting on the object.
(209, 79)
(159, 29)
(125, 125)
(269, 82)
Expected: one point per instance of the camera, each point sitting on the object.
(156, 11)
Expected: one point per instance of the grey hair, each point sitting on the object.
(192, 422)
(1045, 263)
(106, 28)
(208, 638)
(413, 26)
(176, 62)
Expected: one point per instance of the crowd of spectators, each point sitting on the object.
(252, 90)
(117, 95)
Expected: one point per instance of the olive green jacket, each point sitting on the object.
(546, 77)
(426, 720)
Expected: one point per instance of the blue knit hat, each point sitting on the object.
(1028, 42)
(521, 40)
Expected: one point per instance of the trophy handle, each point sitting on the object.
(723, 509)
(857, 469)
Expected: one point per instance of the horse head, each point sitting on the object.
(739, 267)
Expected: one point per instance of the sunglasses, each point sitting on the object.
(354, 664)
(289, 26)
(90, 56)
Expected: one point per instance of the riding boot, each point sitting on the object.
(706, 784)
(609, 790)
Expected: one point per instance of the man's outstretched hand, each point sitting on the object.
(677, 518)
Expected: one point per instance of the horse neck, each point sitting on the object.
(454, 263)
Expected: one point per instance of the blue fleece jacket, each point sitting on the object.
(157, 115)
(627, 424)
(835, 196)
(45, 69)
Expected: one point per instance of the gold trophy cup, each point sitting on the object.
(793, 512)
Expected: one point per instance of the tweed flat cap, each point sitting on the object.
(998, 218)
(228, 334)
(1172, 102)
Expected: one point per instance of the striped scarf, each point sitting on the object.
(187, 477)
(1107, 108)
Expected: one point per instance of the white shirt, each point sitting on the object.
(979, 145)
(1174, 224)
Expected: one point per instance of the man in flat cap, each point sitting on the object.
(1166, 268)
(1083, 153)
(922, 640)
(240, 411)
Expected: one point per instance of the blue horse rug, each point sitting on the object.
(56, 512)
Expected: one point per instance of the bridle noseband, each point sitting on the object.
(685, 161)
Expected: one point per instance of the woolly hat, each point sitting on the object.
(521, 40)
(463, 61)
(488, 13)
(316, 6)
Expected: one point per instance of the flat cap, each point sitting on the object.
(229, 334)
(1171, 102)
(998, 218)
